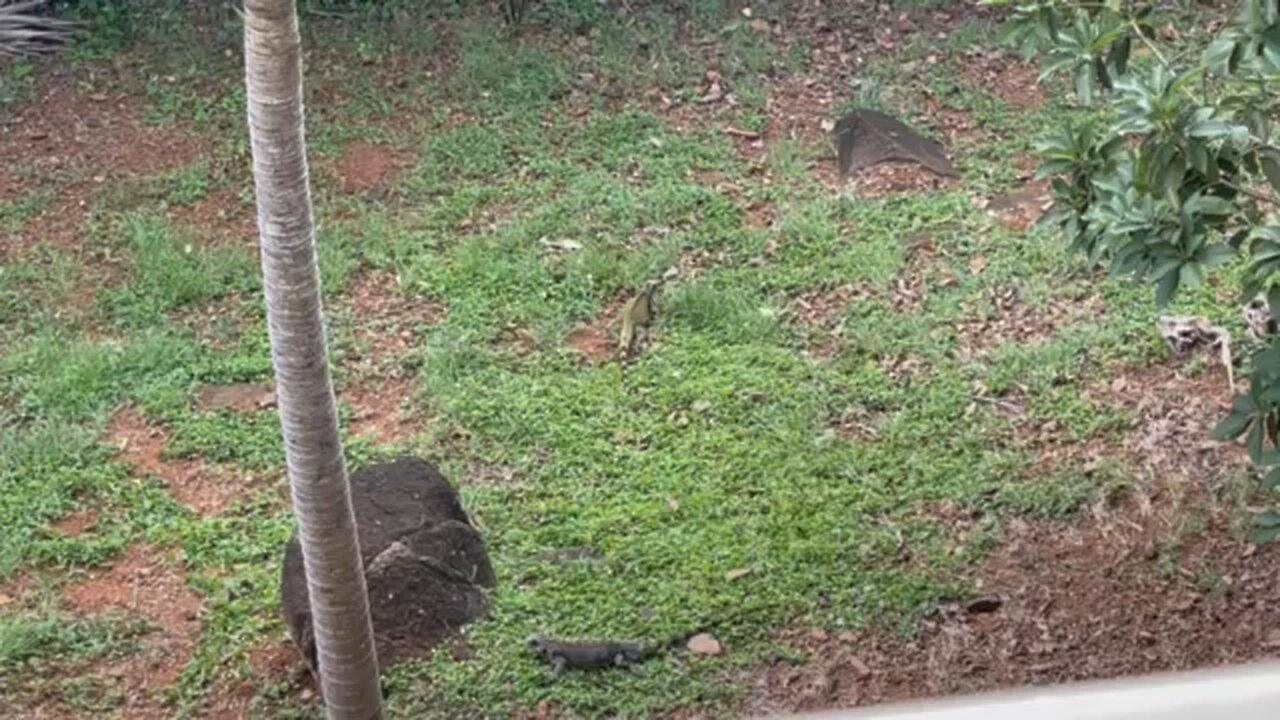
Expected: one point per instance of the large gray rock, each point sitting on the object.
(426, 566)
(867, 137)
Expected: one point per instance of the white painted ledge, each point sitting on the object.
(1247, 692)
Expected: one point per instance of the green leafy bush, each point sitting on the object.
(1177, 175)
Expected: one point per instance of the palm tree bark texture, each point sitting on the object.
(308, 413)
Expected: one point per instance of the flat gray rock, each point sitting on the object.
(868, 137)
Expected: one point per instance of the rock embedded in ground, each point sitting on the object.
(704, 644)
(982, 605)
(426, 566)
(867, 137)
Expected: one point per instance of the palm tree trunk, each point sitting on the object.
(308, 414)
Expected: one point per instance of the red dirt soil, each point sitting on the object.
(386, 315)
(594, 342)
(271, 661)
(220, 216)
(76, 523)
(379, 412)
(1159, 580)
(142, 584)
(191, 482)
(74, 141)
(363, 166)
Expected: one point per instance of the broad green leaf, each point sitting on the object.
(1118, 56)
(1270, 161)
(1198, 155)
(1165, 289)
(1054, 167)
(1273, 301)
(1190, 275)
(1244, 404)
(1272, 480)
(1256, 435)
(1267, 518)
(1233, 426)
(1214, 256)
(1085, 82)
(1218, 56)
(1264, 535)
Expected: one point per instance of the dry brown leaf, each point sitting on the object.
(860, 669)
(736, 573)
(977, 264)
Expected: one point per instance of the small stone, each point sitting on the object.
(987, 604)
(861, 670)
(704, 644)
(1273, 640)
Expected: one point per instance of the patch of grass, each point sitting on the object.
(188, 184)
(505, 80)
(32, 640)
(171, 270)
(545, 190)
(33, 290)
(17, 83)
(14, 213)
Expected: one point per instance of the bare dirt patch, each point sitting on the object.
(219, 323)
(73, 140)
(207, 490)
(1007, 318)
(597, 341)
(386, 316)
(1020, 209)
(269, 663)
(1157, 580)
(222, 215)
(142, 584)
(891, 178)
(380, 410)
(364, 166)
(1014, 81)
(820, 310)
(385, 322)
(244, 397)
(594, 342)
(76, 523)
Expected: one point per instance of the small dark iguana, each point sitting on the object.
(596, 654)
